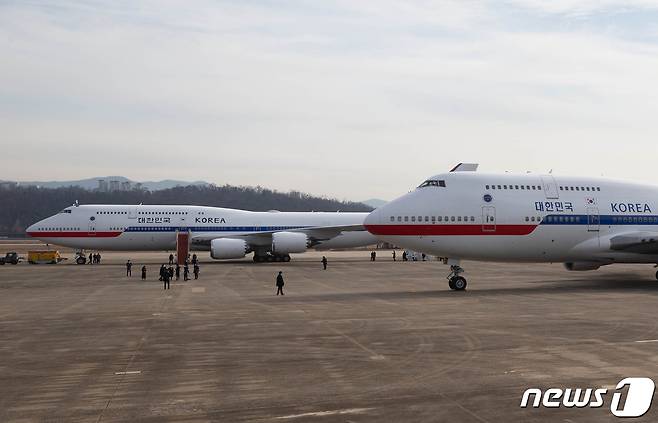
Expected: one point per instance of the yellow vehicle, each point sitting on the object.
(44, 257)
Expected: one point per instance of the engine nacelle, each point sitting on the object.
(227, 248)
(289, 242)
(579, 266)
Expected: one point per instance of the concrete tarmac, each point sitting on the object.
(359, 342)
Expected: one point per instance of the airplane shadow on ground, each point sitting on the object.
(480, 288)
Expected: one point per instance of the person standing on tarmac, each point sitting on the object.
(91, 258)
(279, 284)
(186, 272)
(177, 271)
(143, 273)
(393, 255)
(129, 268)
(196, 271)
(324, 262)
(162, 272)
(165, 279)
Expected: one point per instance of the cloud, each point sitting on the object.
(352, 99)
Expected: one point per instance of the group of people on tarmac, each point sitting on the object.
(167, 273)
(94, 258)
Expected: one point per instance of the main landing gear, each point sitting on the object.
(455, 281)
(271, 258)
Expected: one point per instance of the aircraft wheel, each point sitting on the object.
(286, 258)
(459, 283)
(81, 260)
(451, 284)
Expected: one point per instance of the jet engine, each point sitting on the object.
(289, 242)
(227, 248)
(578, 266)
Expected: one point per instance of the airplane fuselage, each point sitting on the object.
(154, 227)
(533, 218)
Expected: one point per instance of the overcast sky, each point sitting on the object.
(350, 99)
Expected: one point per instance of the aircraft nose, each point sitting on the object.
(374, 218)
(30, 229)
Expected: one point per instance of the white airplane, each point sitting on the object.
(226, 233)
(584, 223)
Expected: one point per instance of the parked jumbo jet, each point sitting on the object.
(226, 233)
(584, 223)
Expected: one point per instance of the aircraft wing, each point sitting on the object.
(316, 234)
(636, 242)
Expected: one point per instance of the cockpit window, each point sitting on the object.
(65, 211)
(433, 183)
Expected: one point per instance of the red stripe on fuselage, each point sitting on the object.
(61, 234)
(437, 230)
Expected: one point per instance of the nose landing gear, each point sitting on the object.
(455, 281)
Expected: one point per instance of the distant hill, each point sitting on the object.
(92, 183)
(375, 202)
(25, 205)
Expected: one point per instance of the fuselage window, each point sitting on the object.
(516, 187)
(527, 219)
(472, 218)
(392, 218)
(413, 218)
(487, 186)
(406, 218)
(493, 187)
(504, 186)
(427, 219)
(499, 187)
(399, 218)
(459, 218)
(433, 219)
(439, 218)
(452, 218)
(522, 187)
(420, 218)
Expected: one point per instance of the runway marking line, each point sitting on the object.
(327, 413)
(130, 372)
(646, 341)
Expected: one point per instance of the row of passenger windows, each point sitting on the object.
(635, 219)
(565, 188)
(117, 229)
(58, 229)
(144, 213)
(433, 219)
(539, 187)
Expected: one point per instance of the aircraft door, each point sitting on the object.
(550, 187)
(593, 219)
(132, 213)
(488, 219)
(91, 229)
